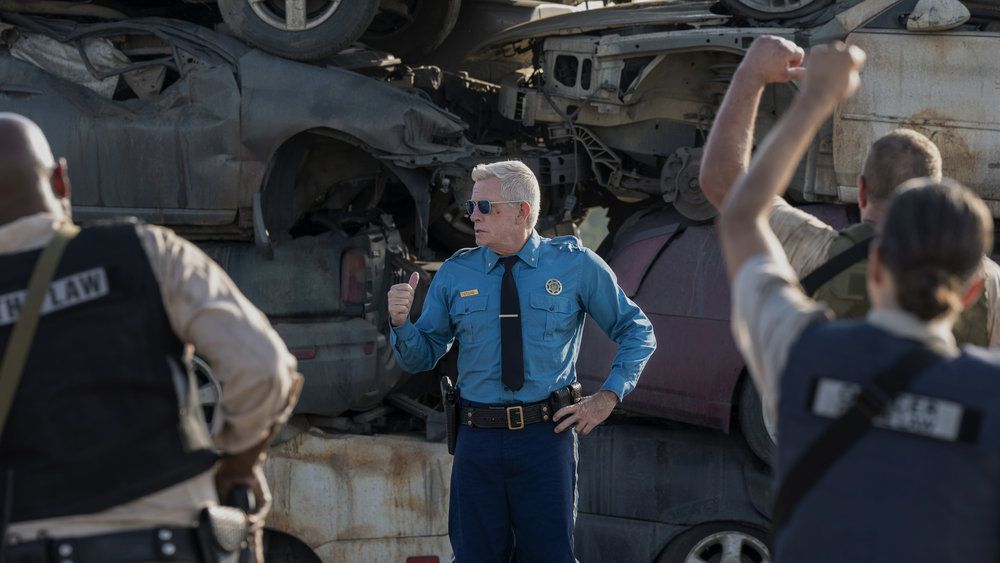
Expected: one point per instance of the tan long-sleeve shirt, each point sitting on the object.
(249, 360)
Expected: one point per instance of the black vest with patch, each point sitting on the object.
(100, 417)
(896, 495)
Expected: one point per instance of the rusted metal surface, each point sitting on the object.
(942, 85)
(362, 498)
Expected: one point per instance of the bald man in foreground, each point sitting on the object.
(104, 455)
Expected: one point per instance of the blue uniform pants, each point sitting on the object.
(513, 491)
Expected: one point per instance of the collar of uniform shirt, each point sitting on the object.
(906, 325)
(27, 233)
(528, 253)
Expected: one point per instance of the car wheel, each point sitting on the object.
(680, 178)
(416, 28)
(775, 9)
(299, 29)
(759, 429)
(280, 547)
(718, 542)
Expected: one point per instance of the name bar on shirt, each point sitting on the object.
(914, 414)
(63, 293)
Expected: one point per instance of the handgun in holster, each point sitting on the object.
(565, 396)
(451, 397)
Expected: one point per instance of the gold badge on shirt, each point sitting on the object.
(469, 292)
(553, 286)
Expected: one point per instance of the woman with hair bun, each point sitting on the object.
(934, 246)
(888, 432)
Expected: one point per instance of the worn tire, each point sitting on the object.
(768, 10)
(753, 424)
(706, 543)
(451, 235)
(430, 23)
(339, 29)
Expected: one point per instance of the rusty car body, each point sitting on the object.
(640, 84)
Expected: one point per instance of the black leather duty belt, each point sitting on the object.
(151, 544)
(513, 417)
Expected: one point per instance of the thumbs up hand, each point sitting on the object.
(401, 299)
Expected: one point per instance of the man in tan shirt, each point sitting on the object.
(808, 242)
(92, 447)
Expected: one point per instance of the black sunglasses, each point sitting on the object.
(484, 205)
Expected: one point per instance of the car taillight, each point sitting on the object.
(303, 353)
(352, 276)
(423, 559)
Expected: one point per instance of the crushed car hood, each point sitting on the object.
(396, 124)
(669, 13)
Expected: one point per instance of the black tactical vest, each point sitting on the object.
(100, 416)
(847, 293)
(897, 494)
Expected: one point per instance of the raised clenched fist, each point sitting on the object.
(833, 72)
(772, 59)
(401, 299)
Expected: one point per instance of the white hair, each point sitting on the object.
(517, 183)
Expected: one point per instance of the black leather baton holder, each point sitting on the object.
(451, 398)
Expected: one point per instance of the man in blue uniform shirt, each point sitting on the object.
(516, 305)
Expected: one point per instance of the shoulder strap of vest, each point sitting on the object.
(874, 397)
(829, 270)
(858, 231)
(24, 331)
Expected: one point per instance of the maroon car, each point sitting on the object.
(673, 269)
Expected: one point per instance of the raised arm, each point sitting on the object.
(743, 228)
(418, 346)
(727, 153)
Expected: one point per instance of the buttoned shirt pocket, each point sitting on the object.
(560, 314)
(471, 318)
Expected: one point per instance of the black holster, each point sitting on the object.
(451, 397)
(565, 396)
